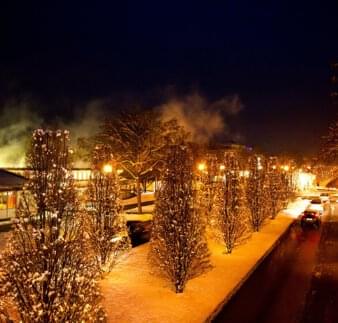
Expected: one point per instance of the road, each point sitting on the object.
(297, 283)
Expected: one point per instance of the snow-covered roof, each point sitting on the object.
(10, 181)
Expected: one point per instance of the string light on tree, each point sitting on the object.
(178, 245)
(47, 268)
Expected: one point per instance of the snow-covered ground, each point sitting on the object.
(295, 208)
(145, 197)
(144, 217)
(133, 293)
(132, 215)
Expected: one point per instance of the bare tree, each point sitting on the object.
(256, 191)
(47, 266)
(207, 172)
(329, 149)
(230, 203)
(275, 186)
(106, 225)
(288, 187)
(178, 244)
(4, 315)
(137, 141)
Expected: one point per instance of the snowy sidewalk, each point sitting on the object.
(134, 294)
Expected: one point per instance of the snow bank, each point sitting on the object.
(143, 217)
(132, 215)
(295, 208)
(133, 293)
(145, 197)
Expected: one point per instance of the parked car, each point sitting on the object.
(311, 217)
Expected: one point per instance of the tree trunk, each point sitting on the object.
(138, 189)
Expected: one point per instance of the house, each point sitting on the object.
(10, 186)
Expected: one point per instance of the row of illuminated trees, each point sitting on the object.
(59, 248)
(239, 194)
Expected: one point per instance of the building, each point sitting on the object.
(10, 186)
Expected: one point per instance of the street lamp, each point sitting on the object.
(286, 168)
(201, 167)
(107, 168)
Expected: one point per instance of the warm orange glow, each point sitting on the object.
(201, 167)
(119, 171)
(107, 168)
(81, 174)
(222, 167)
(304, 180)
(244, 173)
(286, 168)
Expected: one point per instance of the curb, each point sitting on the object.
(233, 292)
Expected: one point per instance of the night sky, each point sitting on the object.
(275, 55)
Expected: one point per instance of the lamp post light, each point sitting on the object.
(107, 168)
(201, 167)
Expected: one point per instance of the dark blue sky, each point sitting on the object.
(275, 55)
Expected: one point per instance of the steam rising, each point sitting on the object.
(86, 124)
(201, 118)
(86, 121)
(17, 122)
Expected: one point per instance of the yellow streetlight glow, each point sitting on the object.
(304, 180)
(119, 171)
(244, 173)
(107, 168)
(285, 167)
(222, 167)
(201, 167)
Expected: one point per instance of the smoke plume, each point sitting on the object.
(19, 119)
(201, 118)
(17, 122)
(204, 120)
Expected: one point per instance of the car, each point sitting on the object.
(316, 204)
(311, 217)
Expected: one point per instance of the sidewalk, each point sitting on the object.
(134, 294)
